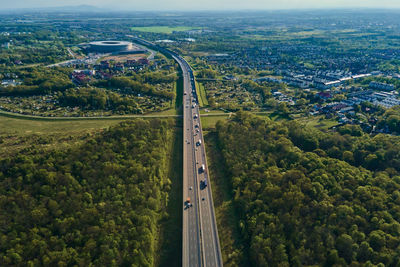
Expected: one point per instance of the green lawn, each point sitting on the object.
(201, 104)
(210, 121)
(163, 29)
(170, 111)
(18, 134)
(179, 94)
(202, 94)
(319, 122)
(212, 111)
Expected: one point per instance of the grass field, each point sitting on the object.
(201, 104)
(210, 121)
(171, 111)
(21, 134)
(123, 58)
(202, 94)
(211, 111)
(163, 29)
(22, 126)
(179, 94)
(319, 122)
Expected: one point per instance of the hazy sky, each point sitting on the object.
(202, 4)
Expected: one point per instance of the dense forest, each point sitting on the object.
(38, 81)
(32, 51)
(391, 120)
(94, 204)
(98, 99)
(130, 86)
(310, 198)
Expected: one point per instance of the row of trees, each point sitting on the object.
(97, 204)
(299, 204)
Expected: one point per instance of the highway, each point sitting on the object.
(191, 249)
(201, 214)
(200, 242)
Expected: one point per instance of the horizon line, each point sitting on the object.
(105, 9)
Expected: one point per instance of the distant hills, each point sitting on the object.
(78, 8)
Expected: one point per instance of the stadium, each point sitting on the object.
(110, 46)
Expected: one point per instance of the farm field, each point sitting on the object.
(124, 58)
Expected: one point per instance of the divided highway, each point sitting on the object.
(200, 242)
(200, 217)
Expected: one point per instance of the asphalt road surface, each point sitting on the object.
(200, 236)
(191, 249)
(200, 242)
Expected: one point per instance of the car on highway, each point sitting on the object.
(195, 116)
(188, 203)
(202, 168)
(185, 93)
(203, 184)
(191, 187)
